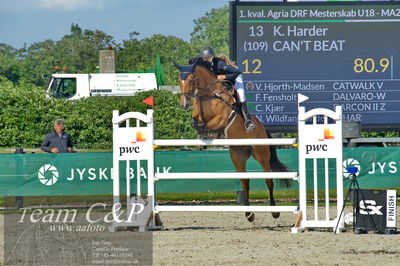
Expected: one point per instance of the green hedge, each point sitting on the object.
(26, 115)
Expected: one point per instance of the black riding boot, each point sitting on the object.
(248, 124)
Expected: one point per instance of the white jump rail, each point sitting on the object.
(233, 175)
(224, 142)
(213, 208)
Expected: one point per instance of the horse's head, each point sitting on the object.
(190, 81)
(186, 83)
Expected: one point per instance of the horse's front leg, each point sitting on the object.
(200, 128)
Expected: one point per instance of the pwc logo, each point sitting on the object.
(327, 135)
(140, 137)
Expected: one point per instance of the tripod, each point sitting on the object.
(354, 186)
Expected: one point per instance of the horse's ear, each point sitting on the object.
(177, 66)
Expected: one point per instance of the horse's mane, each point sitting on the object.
(207, 70)
(200, 62)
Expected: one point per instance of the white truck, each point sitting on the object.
(77, 86)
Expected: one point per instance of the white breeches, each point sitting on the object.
(240, 88)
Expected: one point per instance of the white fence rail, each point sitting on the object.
(233, 175)
(213, 208)
(224, 142)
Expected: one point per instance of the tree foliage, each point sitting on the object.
(82, 48)
(213, 30)
(78, 51)
(140, 54)
(9, 66)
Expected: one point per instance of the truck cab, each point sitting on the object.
(69, 86)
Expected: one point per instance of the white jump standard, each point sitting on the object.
(320, 140)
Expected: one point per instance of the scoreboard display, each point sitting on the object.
(336, 53)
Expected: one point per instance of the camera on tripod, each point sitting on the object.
(352, 171)
(373, 209)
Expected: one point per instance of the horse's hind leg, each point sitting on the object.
(246, 189)
(239, 158)
(262, 156)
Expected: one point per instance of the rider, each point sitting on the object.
(225, 70)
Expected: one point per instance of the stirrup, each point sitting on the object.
(249, 125)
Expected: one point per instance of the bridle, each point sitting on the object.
(210, 88)
(194, 92)
(192, 83)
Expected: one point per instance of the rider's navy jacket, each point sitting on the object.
(219, 67)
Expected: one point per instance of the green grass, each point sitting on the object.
(163, 197)
(281, 197)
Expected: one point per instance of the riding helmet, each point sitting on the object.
(207, 52)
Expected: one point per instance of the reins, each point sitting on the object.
(209, 89)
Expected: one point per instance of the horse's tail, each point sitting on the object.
(277, 166)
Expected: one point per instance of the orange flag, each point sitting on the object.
(149, 101)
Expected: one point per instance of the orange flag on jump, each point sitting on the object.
(149, 101)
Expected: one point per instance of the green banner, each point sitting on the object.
(91, 173)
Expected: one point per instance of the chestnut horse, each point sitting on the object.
(215, 114)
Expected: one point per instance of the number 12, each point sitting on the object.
(256, 63)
